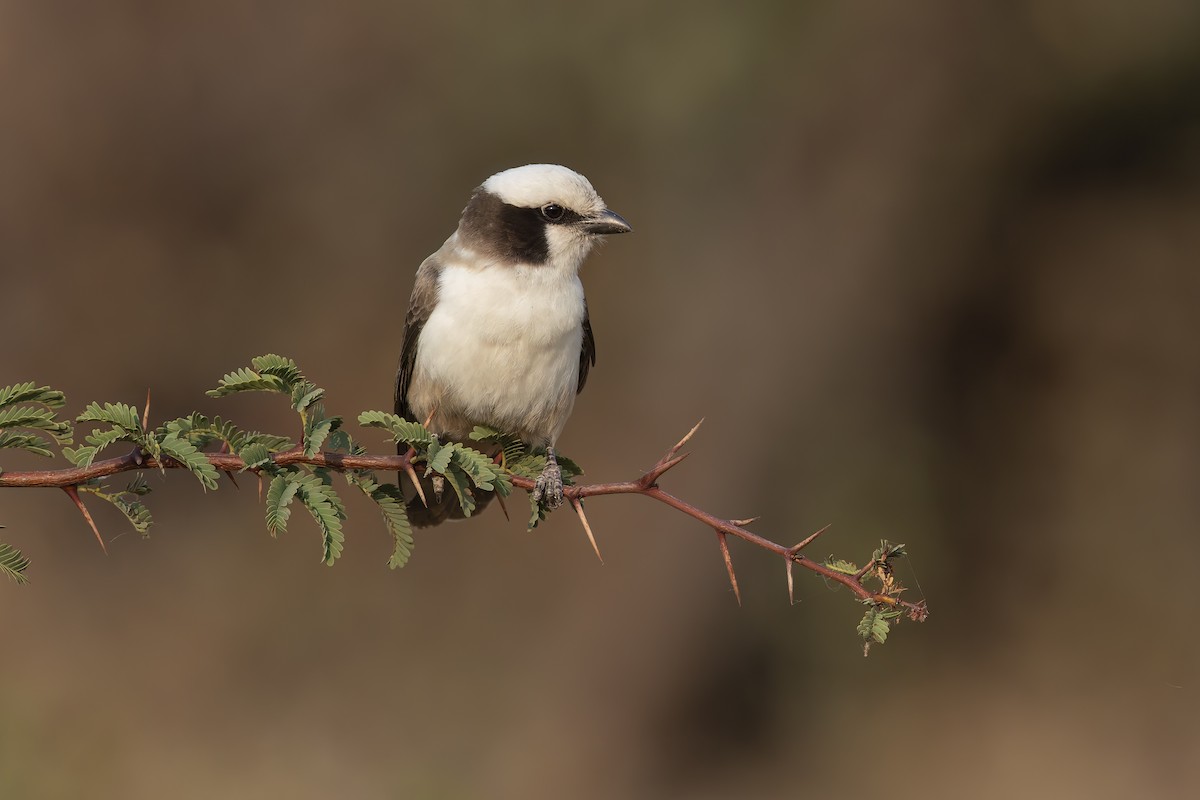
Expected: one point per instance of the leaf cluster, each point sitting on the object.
(29, 421)
(518, 459)
(877, 621)
(13, 563)
(463, 469)
(28, 415)
(311, 486)
(876, 624)
(300, 471)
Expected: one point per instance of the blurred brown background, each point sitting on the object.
(935, 265)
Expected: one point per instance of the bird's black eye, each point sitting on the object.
(553, 212)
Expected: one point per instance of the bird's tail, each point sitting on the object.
(440, 503)
(439, 509)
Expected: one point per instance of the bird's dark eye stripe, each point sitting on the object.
(556, 214)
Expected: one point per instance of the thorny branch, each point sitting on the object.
(645, 485)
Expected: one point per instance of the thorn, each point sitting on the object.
(657, 471)
(741, 523)
(797, 548)
(224, 448)
(791, 590)
(504, 508)
(73, 493)
(412, 476)
(586, 527)
(679, 445)
(146, 412)
(429, 419)
(729, 565)
(259, 476)
(669, 459)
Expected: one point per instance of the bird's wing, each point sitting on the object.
(420, 306)
(587, 355)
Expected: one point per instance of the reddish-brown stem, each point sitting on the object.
(645, 485)
(225, 462)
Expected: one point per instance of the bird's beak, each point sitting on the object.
(606, 222)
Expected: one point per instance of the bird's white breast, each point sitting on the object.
(502, 346)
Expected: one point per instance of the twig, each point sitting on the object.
(224, 462)
(645, 485)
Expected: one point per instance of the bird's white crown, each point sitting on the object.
(535, 185)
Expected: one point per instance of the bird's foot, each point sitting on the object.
(548, 490)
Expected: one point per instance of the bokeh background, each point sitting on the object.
(928, 271)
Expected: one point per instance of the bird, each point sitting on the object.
(497, 331)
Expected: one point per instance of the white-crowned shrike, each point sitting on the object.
(497, 331)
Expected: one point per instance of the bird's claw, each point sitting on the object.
(548, 489)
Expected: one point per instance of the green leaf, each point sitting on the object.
(138, 485)
(276, 444)
(326, 477)
(126, 427)
(484, 472)
(12, 562)
(255, 455)
(278, 366)
(437, 458)
(269, 373)
(304, 394)
(513, 447)
(280, 494)
(103, 438)
(502, 484)
(28, 417)
(80, 456)
(29, 393)
(323, 505)
(341, 442)
(196, 462)
(537, 513)
(391, 503)
(316, 428)
(247, 380)
(842, 566)
(118, 414)
(184, 427)
(461, 484)
(484, 433)
(410, 433)
(887, 551)
(31, 418)
(29, 442)
(201, 432)
(876, 623)
(529, 465)
(126, 501)
(570, 470)
(134, 511)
